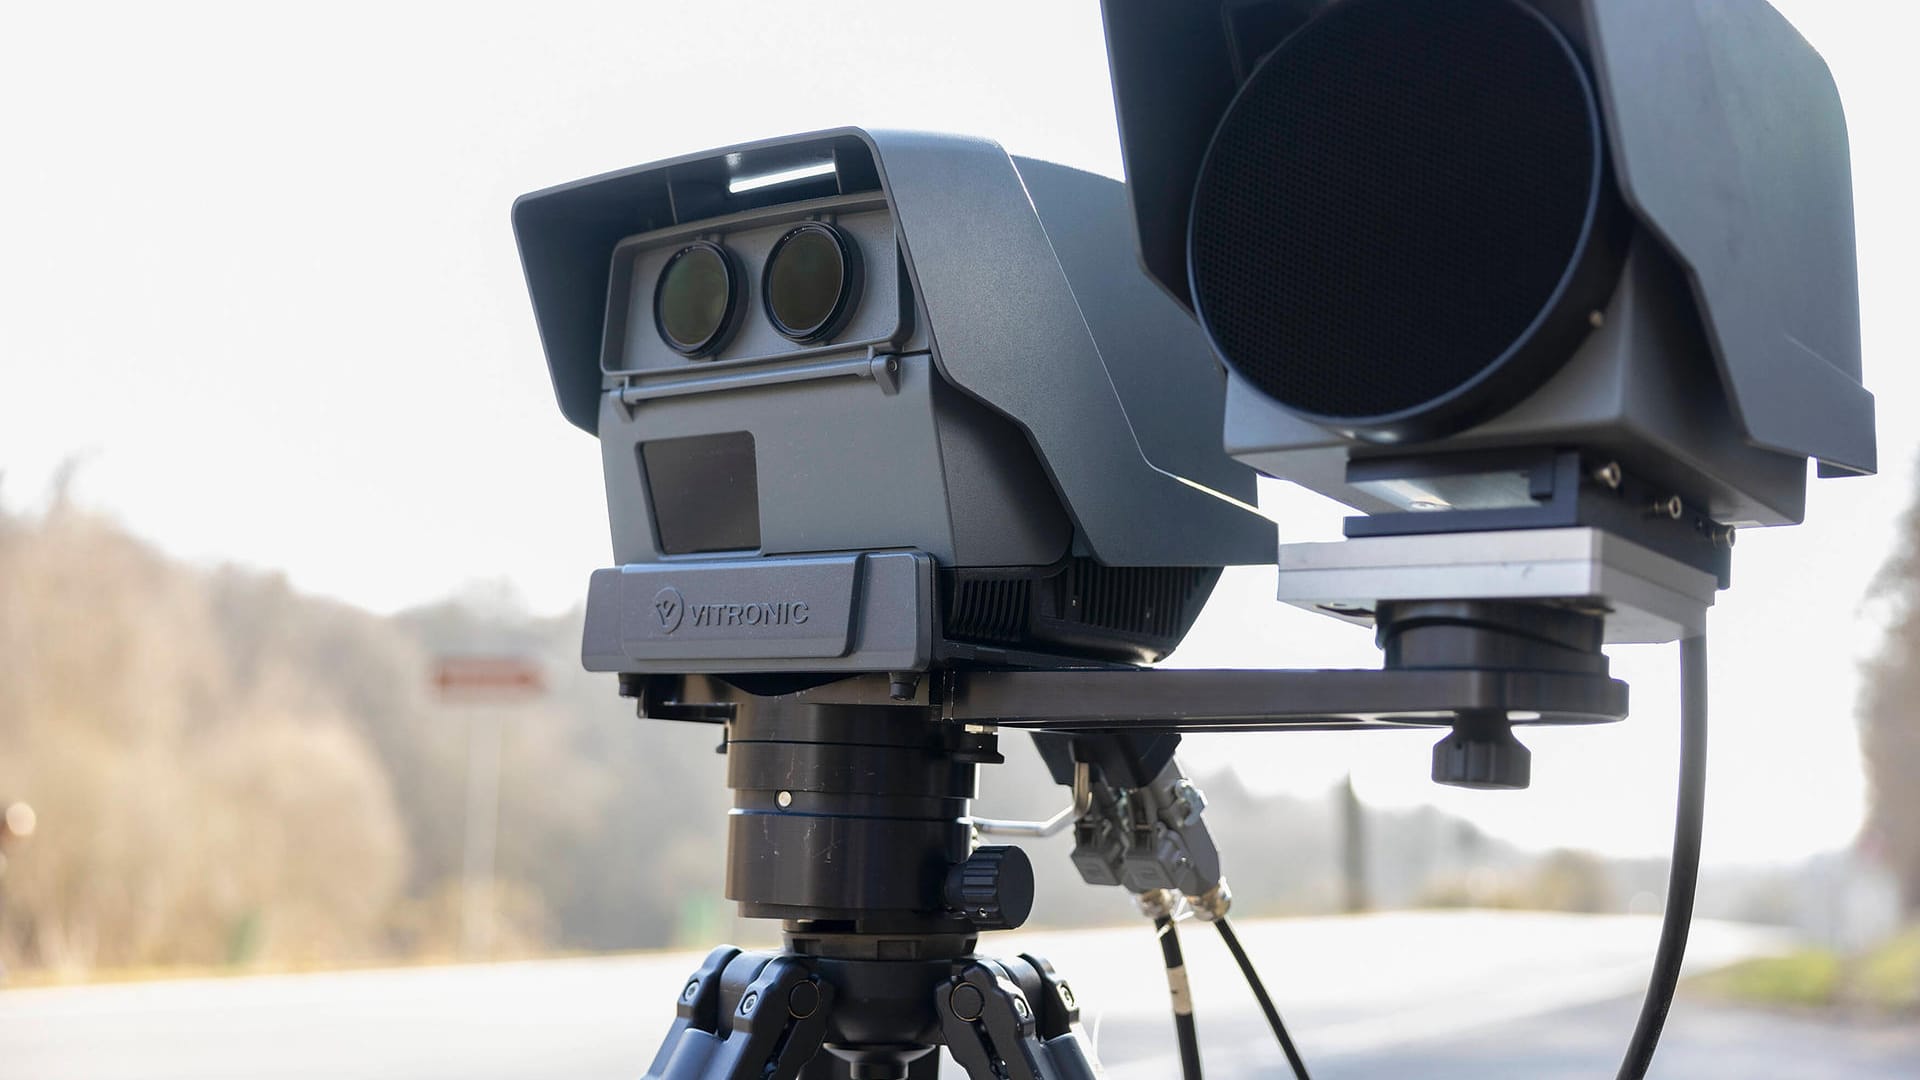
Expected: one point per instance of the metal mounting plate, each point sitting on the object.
(1647, 597)
(1169, 700)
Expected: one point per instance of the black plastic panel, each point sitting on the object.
(705, 491)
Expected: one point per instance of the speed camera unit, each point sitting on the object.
(869, 401)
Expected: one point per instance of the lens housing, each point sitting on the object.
(1405, 221)
(811, 284)
(697, 299)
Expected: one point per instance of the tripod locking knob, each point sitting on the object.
(993, 889)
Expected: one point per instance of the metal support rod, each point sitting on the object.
(1082, 802)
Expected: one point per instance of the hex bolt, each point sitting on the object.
(967, 1002)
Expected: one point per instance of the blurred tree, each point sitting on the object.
(184, 806)
(1571, 881)
(1890, 717)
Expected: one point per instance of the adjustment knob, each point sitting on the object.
(993, 889)
(1485, 755)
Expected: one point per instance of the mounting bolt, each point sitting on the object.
(1020, 1006)
(967, 1002)
(902, 685)
(747, 1003)
(784, 799)
(1609, 476)
(803, 1000)
(692, 991)
(1670, 507)
(1723, 535)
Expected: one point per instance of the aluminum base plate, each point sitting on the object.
(1647, 597)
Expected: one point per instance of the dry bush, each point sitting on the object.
(187, 814)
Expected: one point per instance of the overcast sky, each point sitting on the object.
(256, 273)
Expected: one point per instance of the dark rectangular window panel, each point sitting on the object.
(705, 492)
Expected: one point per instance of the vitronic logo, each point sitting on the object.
(674, 611)
(671, 607)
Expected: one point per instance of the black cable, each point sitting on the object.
(1684, 873)
(1182, 998)
(1260, 994)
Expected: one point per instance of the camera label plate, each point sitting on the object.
(863, 610)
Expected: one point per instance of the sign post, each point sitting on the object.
(487, 682)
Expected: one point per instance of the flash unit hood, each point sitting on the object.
(1623, 227)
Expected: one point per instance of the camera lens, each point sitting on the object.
(812, 282)
(694, 302)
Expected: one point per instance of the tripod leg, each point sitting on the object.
(698, 1011)
(745, 1015)
(1013, 1019)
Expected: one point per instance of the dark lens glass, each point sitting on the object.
(810, 281)
(694, 298)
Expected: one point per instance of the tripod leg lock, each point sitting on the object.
(1015, 1019)
(745, 1016)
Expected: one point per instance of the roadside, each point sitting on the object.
(1704, 1040)
(1880, 981)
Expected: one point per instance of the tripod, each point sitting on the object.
(849, 825)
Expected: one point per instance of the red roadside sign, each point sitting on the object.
(488, 678)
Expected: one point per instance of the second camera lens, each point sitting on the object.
(812, 282)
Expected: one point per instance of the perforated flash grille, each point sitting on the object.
(1392, 201)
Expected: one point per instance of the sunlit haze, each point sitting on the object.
(256, 279)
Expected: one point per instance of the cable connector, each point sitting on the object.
(1157, 903)
(1212, 905)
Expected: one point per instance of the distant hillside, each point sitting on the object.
(229, 772)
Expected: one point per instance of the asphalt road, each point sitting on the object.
(1434, 996)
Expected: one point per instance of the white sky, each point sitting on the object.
(255, 270)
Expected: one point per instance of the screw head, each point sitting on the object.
(1020, 1006)
(692, 991)
(785, 799)
(747, 1003)
(1066, 995)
